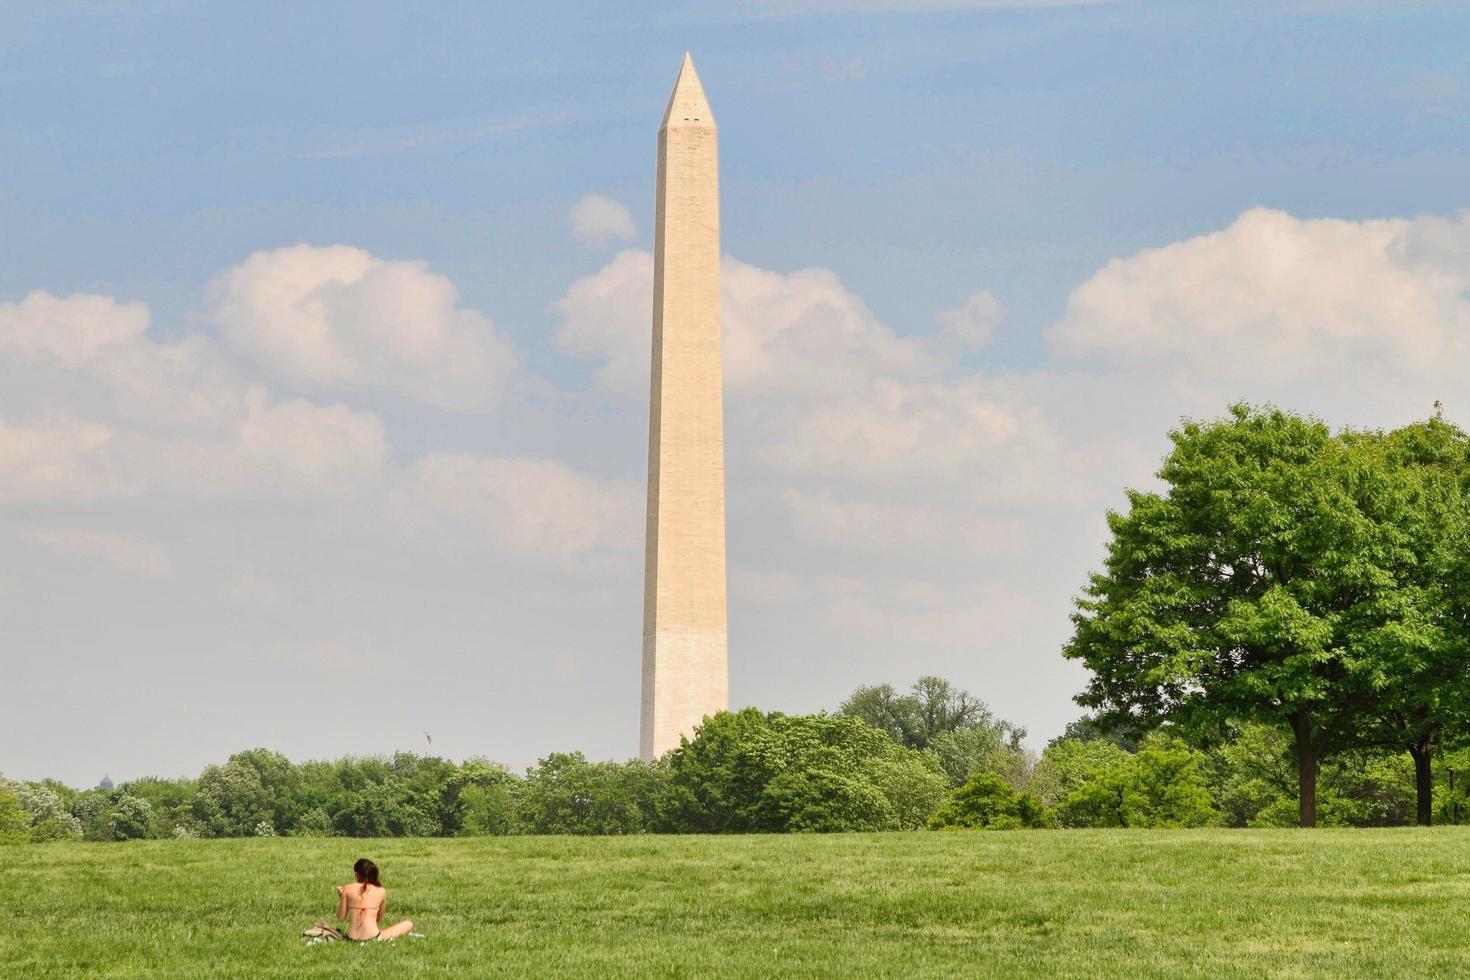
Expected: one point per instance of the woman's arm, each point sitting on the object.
(341, 902)
(382, 906)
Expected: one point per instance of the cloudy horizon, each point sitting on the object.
(323, 390)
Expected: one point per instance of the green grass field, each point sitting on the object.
(1068, 903)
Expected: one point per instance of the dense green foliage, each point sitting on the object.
(742, 772)
(988, 802)
(1161, 785)
(1293, 577)
(1139, 904)
(752, 772)
(932, 710)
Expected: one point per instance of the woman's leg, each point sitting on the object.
(395, 931)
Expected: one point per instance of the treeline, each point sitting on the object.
(934, 757)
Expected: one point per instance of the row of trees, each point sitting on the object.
(933, 757)
(1311, 581)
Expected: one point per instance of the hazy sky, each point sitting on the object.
(324, 334)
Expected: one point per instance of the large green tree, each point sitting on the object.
(1228, 595)
(1408, 641)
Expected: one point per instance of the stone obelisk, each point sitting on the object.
(685, 676)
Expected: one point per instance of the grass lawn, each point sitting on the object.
(1138, 904)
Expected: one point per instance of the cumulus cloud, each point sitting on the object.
(817, 386)
(122, 414)
(970, 326)
(72, 330)
(805, 333)
(56, 457)
(797, 333)
(608, 317)
(124, 552)
(536, 507)
(338, 318)
(293, 447)
(1273, 300)
(597, 221)
(103, 342)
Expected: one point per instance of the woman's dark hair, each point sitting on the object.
(367, 872)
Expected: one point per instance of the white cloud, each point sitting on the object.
(805, 333)
(338, 318)
(73, 330)
(794, 334)
(292, 447)
(536, 507)
(124, 552)
(104, 341)
(1274, 300)
(597, 220)
(56, 457)
(970, 326)
(817, 386)
(608, 317)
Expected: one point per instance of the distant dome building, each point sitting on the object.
(106, 783)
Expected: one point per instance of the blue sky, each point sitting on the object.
(149, 145)
(922, 153)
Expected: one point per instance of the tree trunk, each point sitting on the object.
(1306, 754)
(1423, 754)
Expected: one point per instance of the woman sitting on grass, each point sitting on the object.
(362, 904)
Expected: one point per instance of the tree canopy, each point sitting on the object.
(1291, 576)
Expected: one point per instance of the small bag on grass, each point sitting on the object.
(323, 932)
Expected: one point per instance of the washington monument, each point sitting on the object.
(685, 676)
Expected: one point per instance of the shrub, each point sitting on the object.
(717, 781)
(821, 802)
(1068, 763)
(913, 786)
(131, 818)
(46, 815)
(14, 822)
(988, 802)
(171, 801)
(93, 811)
(1163, 785)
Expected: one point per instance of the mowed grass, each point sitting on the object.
(1056, 904)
